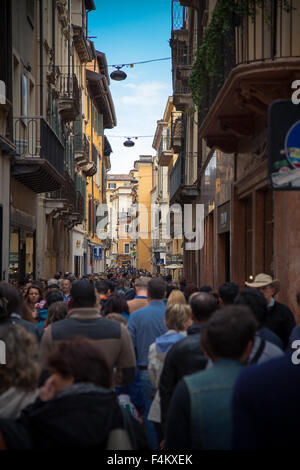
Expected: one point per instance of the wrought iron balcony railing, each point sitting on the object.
(67, 192)
(69, 97)
(269, 33)
(81, 144)
(34, 137)
(178, 14)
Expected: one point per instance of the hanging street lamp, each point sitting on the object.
(118, 74)
(128, 142)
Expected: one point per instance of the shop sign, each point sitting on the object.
(284, 145)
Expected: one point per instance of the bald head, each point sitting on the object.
(202, 305)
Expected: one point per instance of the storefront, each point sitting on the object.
(22, 254)
(95, 258)
(78, 252)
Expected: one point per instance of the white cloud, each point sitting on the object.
(138, 108)
(146, 94)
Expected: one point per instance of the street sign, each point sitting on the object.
(284, 145)
(97, 252)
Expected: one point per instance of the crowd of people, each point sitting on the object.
(129, 360)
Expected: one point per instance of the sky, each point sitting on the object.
(133, 31)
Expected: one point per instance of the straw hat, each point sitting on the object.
(264, 280)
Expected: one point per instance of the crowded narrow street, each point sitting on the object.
(149, 232)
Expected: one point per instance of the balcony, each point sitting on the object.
(39, 163)
(165, 154)
(182, 98)
(69, 97)
(66, 203)
(89, 169)
(81, 149)
(182, 52)
(178, 14)
(266, 60)
(177, 131)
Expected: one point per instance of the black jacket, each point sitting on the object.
(79, 421)
(281, 321)
(184, 358)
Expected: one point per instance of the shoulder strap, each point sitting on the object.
(258, 352)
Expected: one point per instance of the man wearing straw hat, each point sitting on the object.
(280, 319)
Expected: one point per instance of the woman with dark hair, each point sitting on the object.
(117, 304)
(17, 311)
(76, 409)
(33, 296)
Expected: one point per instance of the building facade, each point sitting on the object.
(144, 176)
(7, 147)
(167, 245)
(256, 59)
(44, 146)
(120, 199)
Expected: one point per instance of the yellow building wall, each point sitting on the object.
(94, 183)
(144, 198)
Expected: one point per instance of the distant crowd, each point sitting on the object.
(128, 360)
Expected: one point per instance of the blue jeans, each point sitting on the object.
(149, 392)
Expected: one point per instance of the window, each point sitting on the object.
(126, 228)
(112, 185)
(24, 95)
(126, 248)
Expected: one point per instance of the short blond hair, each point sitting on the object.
(176, 297)
(177, 315)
